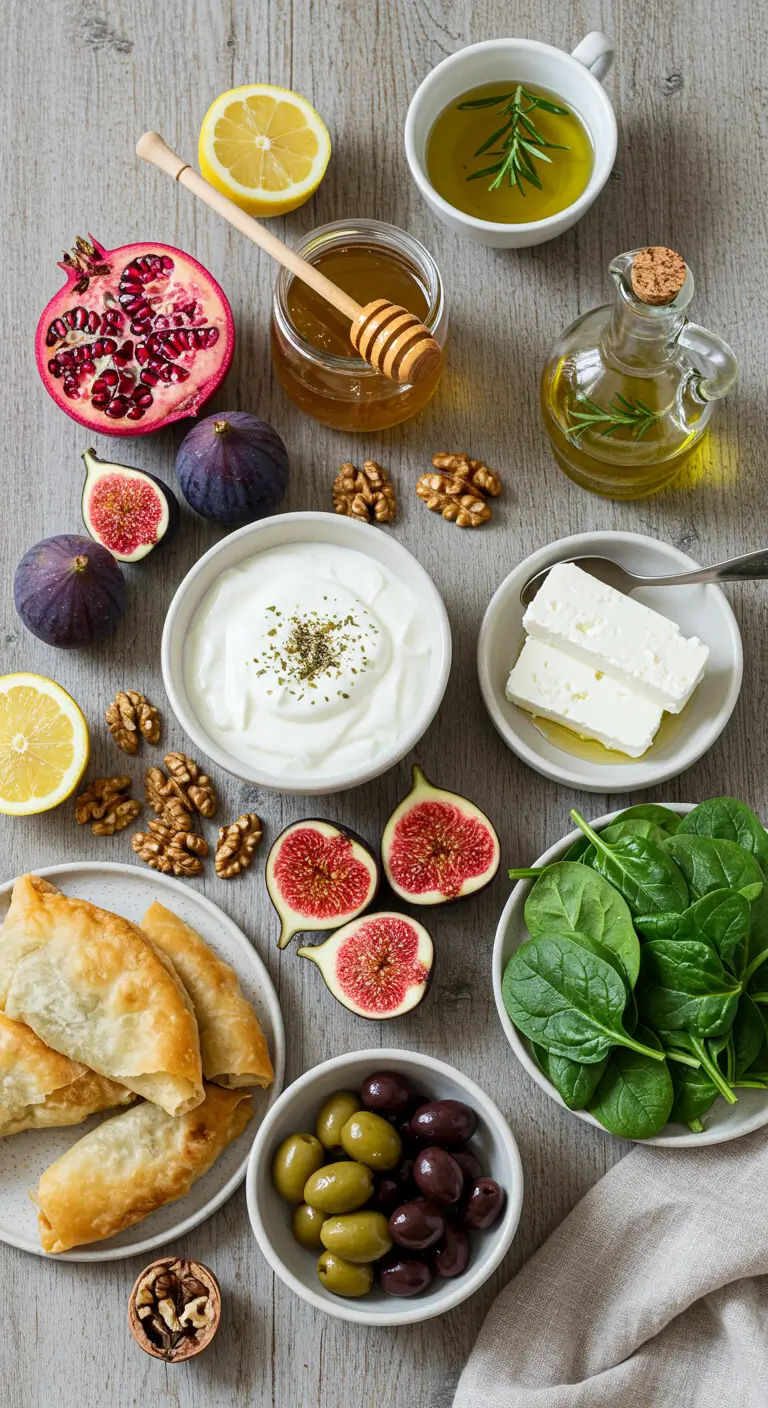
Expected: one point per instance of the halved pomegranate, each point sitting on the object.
(319, 875)
(137, 337)
(438, 846)
(377, 966)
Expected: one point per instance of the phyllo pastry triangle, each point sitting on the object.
(39, 1089)
(94, 988)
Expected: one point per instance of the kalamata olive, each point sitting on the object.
(482, 1205)
(417, 1225)
(404, 1174)
(438, 1176)
(444, 1122)
(387, 1193)
(404, 1276)
(451, 1254)
(469, 1164)
(387, 1093)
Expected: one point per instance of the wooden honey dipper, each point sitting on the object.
(388, 337)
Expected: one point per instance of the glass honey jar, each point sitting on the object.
(311, 351)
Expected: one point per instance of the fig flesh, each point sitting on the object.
(126, 510)
(137, 337)
(232, 467)
(69, 591)
(438, 846)
(319, 876)
(377, 966)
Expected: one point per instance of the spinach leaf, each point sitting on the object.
(635, 1096)
(757, 950)
(567, 999)
(635, 826)
(573, 1081)
(695, 1046)
(576, 851)
(686, 988)
(748, 1035)
(710, 864)
(694, 1094)
(568, 899)
(667, 820)
(721, 918)
(645, 875)
(728, 820)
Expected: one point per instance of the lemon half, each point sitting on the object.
(264, 147)
(43, 744)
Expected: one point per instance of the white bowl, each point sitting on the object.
(724, 1121)
(278, 531)
(296, 1111)
(698, 610)
(573, 77)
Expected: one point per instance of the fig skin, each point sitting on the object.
(69, 591)
(232, 467)
(473, 834)
(409, 975)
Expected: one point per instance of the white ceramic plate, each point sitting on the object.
(297, 1110)
(698, 610)
(723, 1122)
(274, 532)
(129, 891)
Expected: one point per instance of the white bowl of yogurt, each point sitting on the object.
(306, 653)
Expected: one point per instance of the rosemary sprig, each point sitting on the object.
(520, 139)
(634, 414)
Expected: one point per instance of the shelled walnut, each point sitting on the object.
(174, 1309)
(107, 804)
(236, 845)
(176, 796)
(130, 717)
(365, 493)
(457, 492)
(169, 851)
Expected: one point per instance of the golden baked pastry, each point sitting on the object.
(39, 1089)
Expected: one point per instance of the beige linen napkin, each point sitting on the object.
(653, 1293)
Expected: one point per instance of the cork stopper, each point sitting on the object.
(658, 274)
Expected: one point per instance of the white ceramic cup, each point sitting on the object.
(573, 77)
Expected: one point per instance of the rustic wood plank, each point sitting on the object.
(79, 83)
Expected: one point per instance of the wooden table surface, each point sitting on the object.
(80, 82)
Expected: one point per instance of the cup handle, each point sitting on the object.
(596, 53)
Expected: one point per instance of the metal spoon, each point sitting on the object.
(750, 567)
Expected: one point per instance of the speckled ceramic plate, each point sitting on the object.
(129, 891)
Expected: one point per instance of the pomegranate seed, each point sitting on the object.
(178, 373)
(167, 263)
(142, 396)
(88, 368)
(54, 368)
(164, 372)
(100, 387)
(148, 377)
(76, 317)
(132, 302)
(110, 377)
(117, 408)
(125, 384)
(162, 322)
(135, 413)
(70, 389)
(188, 310)
(178, 321)
(56, 331)
(100, 400)
(66, 358)
(141, 353)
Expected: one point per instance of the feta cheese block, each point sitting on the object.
(548, 683)
(603, 628)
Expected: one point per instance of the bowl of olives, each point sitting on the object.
(384, 1187)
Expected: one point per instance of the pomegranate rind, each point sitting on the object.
(319, 876)
(166, 408)
(438, 846)
(129, 531)
(378, 966)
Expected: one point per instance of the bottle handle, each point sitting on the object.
(712, 358)
(596, 53)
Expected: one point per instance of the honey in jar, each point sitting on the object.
(311, 350)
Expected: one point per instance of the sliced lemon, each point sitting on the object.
(264, 147)
(43, 744)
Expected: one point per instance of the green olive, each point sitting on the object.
(344, 1278)
(341, 1187)
(372, 1140)
(306, 1226)
(298, 1156)
(357, 1236)
(334, 1114)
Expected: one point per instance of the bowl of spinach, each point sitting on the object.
(630, 971)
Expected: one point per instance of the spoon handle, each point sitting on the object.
(750, 567)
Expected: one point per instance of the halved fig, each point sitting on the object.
(438, 846)
(127, 510)
(319, 876)
(377, 966)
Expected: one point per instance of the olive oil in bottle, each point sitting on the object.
(539, 164)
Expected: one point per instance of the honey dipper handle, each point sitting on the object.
(153, 149)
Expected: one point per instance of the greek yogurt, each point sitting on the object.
(307, 660)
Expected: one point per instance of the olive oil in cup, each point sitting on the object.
(538, 165)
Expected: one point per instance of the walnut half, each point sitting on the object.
(107, 804)
(236, 845)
